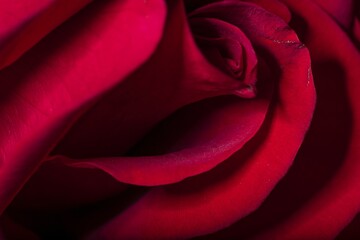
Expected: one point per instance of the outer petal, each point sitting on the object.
(193, 141)
(275, 6)
(213, 200)
(43, 92)
(23, 23)
(176, 75)
(337, 61)
(319, 194)
(341, 10)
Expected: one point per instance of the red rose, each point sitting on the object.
(179, 119)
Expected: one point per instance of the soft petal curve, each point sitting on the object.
(46, 90)
(239, 185)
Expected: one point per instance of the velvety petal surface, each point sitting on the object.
(48, 88)
(342, 11)
(217, 198)
(212, 132)
(23, 23)
(319, 196)
(12, 230)
(338, 201)
(215, 130)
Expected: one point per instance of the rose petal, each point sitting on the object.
(316, 198)
(336, 203)
(23, 23)
(56, 187)
(341, 10)
(215, 130)
(46, 89)
(213, 200)
(234, 46)
(115, 124)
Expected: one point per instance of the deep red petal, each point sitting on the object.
(44, 91)
(23, 23)
(210, 133)
(334, 206)
(341, 10)
(211, 201)
(176, 75)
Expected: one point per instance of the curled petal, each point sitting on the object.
(238, 185)
(215, 130)
(337, 200)
(226, 46)
(23, 23)
(115, 125)
(47, 89)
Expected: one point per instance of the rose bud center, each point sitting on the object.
(226, 47)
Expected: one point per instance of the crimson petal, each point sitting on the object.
(214, 200)
(45, 91)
